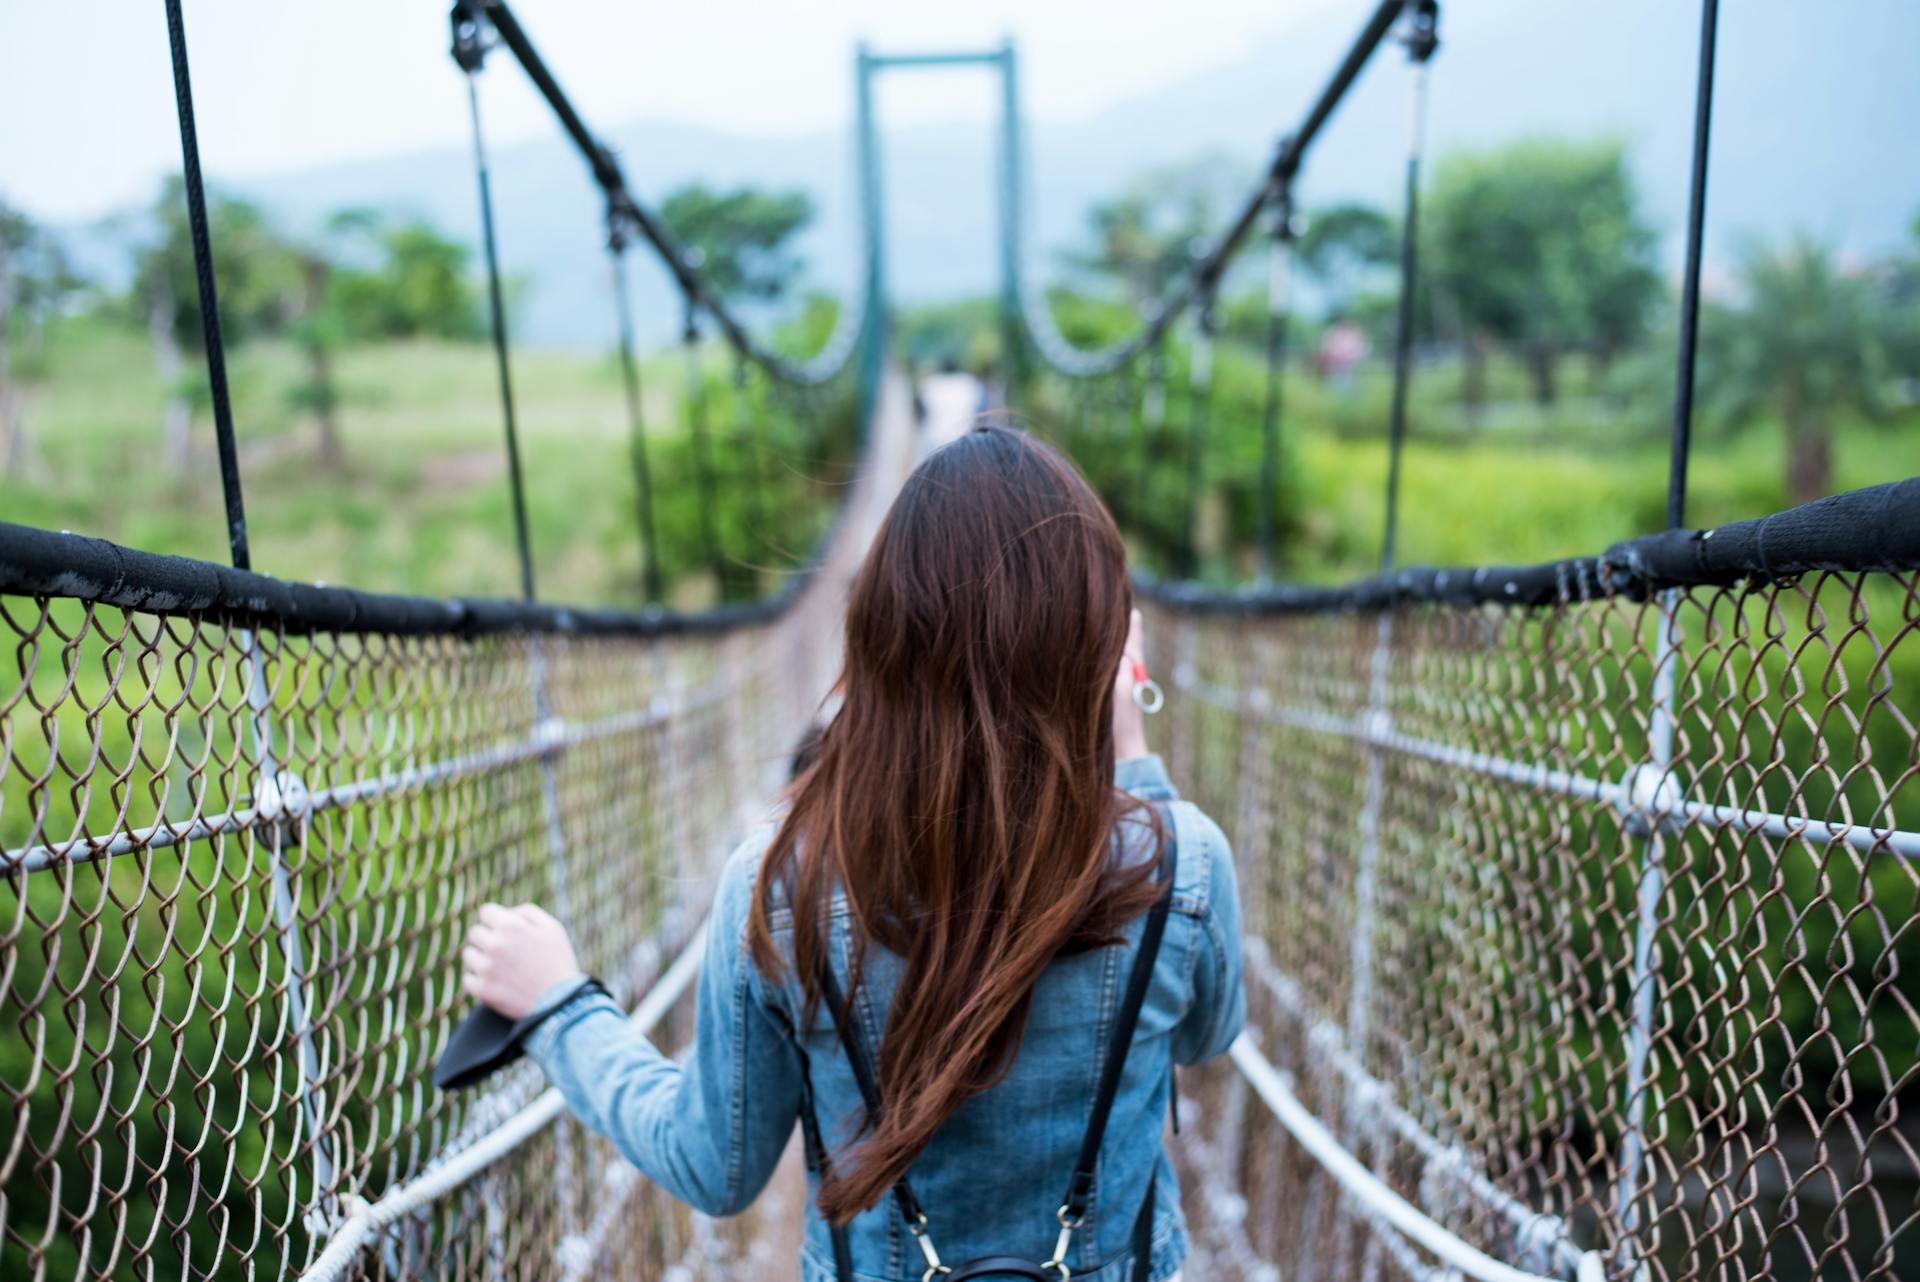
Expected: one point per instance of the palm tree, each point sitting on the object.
(1805, 345)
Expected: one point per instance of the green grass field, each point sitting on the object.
(422, 504)
(1525, 485)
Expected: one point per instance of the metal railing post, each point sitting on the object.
(280, 800)
(550, 732)
(1378, 722)
(1647, 793)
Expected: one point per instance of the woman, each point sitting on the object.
(951, 907)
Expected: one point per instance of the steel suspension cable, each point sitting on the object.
(1208, 268)
(682, 265)
(636, 415)
(211, 335)
(469, 51)
(1422, 39)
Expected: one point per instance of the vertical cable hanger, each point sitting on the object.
(636, 417)
(470, 52)
(1422, 38)
(1123, 396)
(1151, 411)
(1663, 722)
(1690, 283)
(269, 777)
(214, 341)
(1206, 324)
(746, 441)
(702, 449)
(1279, 284)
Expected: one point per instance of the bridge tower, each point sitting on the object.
(1008, 194)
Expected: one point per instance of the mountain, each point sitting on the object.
(1815, 119)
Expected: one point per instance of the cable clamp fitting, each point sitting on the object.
(469, 35)
(549, 736)
(1650, 798)
(1423, 29)
(283, 800)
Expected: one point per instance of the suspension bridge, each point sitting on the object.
(1581, 921)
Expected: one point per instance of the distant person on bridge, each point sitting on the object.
(1342, 348)
(928, 957)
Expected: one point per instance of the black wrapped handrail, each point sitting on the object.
(1872, 530)
(46, 563)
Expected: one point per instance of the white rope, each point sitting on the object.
(1381, 1202)
(1444, 1160)
(364, 1219)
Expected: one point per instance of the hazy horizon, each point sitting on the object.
(259, 70)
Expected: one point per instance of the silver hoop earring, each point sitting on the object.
(1148, 696)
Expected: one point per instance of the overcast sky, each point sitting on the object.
(86, 89)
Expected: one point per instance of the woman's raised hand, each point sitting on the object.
(513, 955)
(1129, 725)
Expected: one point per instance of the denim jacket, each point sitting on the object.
(711, 1131)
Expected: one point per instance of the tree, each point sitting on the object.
(1144, 238)
(1805, 344)
(1345, 244)
(741, 236)
(34, 279)
(1900, 311)
(401, 280)
(256, 279)
(320, 327)
(1540, 246)
(365, 278)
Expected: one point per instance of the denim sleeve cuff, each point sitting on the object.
(1145, 777)
(544, 1041)
(549, 1001)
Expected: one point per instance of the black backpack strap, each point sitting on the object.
(865, 1078)
(1143, 1231)
(1074, 1208)
(816, 1151)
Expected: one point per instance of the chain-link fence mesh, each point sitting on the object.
(238, 866)
(1556, 995)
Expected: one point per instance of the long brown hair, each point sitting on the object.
(964, 795)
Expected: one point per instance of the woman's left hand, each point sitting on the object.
(513, 955)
